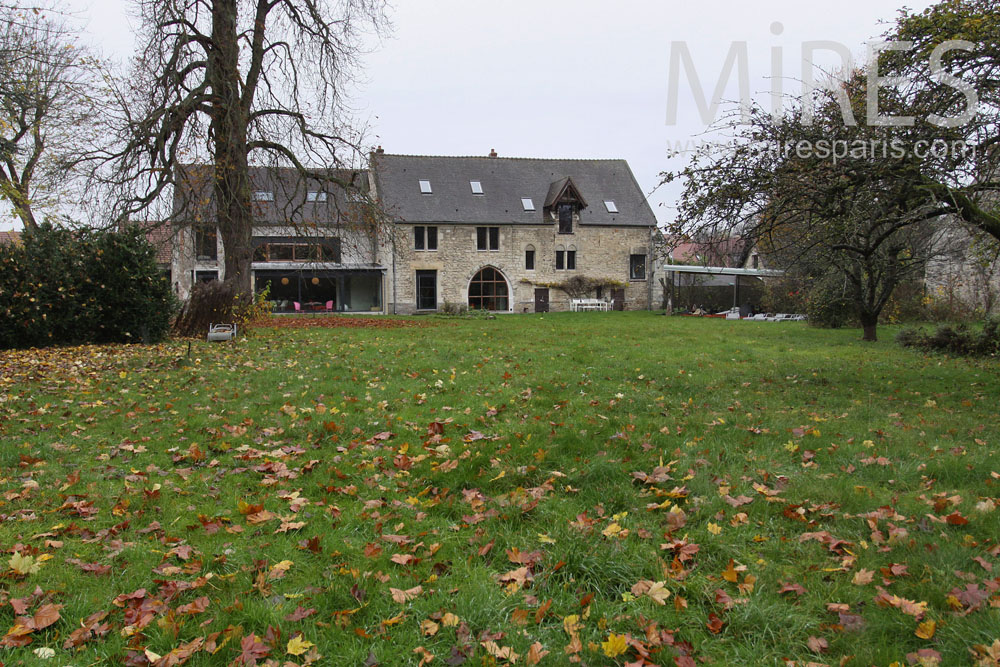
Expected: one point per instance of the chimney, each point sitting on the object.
(493, 152)
(379, 151)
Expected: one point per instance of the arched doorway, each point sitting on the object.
(488, 290)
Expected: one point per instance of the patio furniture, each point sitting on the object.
(298, 306)
(329, 305)
(577, 305)
(221, 332)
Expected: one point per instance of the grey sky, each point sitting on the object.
(559, 78)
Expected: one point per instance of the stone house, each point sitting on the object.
(503, 234)
(311, 247)
(499, 234)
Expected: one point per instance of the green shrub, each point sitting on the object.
(65, 287)
(828, 305)
(958, 340)
(449, 308)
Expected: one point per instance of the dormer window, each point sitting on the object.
(263, 195)
(566, 218)
(563, 203)
(425, 187)
(477, 187)
(527, 204)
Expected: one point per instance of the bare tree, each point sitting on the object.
(232, 84)
(48, 85)
(822, 195)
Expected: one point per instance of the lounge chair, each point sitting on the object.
(220, 332)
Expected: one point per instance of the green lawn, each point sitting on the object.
(610, 488)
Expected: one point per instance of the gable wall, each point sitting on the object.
(602, 252)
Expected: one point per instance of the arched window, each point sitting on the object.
(488, 290)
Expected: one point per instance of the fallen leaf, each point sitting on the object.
(614, 646)
(926, 629)
(297, 645)
(402, 596)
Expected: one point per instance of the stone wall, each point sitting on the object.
(601, 252)
(963, 276)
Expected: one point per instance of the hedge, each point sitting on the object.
(64, 287)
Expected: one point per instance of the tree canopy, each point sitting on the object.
(49, 86)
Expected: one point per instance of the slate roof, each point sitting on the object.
(290, 203)
(505, 181)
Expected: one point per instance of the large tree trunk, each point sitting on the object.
(869, 323)
(228, 130)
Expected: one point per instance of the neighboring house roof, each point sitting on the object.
(13, 238)
(505, 181)
(160, 234)
(729, 253)
(290, 203)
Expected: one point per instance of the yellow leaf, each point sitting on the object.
(714, 528)
(926, 629)
(23, 564)
(571, 624)
(428, 627)
(278, 570)
(297, 645)
(449, 620)
(545, 539)
(612, 530)
(615, 645)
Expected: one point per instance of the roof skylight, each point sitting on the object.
(425, 187)
(477, 187)
(610, 205)
(527, 204)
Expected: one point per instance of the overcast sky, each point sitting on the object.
(561, 78)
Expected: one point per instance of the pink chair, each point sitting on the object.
(329, 305)
(298, 306)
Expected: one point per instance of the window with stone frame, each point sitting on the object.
(529, 258)
(637, 267)
(571, 260)
(566, 218)
(425, 238)
(487, 238)
(205, 246)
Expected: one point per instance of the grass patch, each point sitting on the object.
(470, 487)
